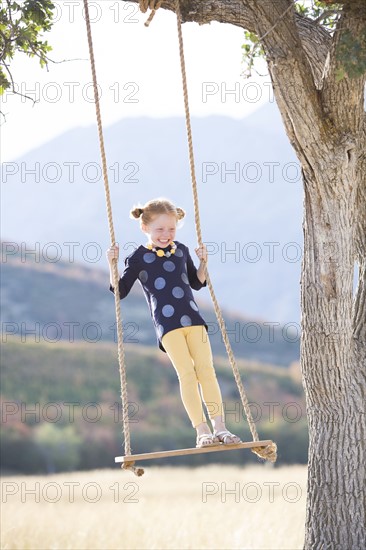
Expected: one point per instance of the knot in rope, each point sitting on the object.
(267, 453)
(131, 466)
(153, 5)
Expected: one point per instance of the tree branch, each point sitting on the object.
(315, 39)
(316, 42)
(346, 115)
(296, 46)
(13, 90)
(290, 69)
(325, 14)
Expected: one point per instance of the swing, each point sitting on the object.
(266, 449)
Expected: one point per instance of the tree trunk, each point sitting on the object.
(333, 377)
(326, 124)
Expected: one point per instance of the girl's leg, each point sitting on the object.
(201, 353)
(176, 347)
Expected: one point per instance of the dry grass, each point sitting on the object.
(164, 509)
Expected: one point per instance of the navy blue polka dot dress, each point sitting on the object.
(167, 284)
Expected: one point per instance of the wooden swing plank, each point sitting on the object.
(193, 451)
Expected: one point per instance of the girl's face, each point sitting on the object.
(161, 230)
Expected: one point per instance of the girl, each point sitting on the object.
(167, 275)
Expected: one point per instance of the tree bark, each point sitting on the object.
(333, 376)
(326, 124)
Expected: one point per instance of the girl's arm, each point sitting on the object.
(112, 252)
(200, 272)
(129, 275)
(196, 276)
(202, 254)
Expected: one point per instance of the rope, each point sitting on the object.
(121, 357)
(153, 5)
(269, 452)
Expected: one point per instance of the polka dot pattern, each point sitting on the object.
(185, 321)
(159, 283)
(168, 310)
(168, 283)
(149, 257)
(185, 278)
(178, 292)
(169, 266)
(143, 276)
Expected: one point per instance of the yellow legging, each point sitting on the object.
(189, 350)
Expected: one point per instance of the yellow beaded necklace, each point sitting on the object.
(161, 252)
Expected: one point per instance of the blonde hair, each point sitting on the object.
(155, 207)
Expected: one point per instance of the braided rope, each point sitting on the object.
(269, 452)
(153, 5)
(121, 356)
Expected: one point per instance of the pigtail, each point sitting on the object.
(136, 212)
(180, 212)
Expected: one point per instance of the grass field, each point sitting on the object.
(214, 507)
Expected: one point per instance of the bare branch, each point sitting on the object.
(325, 14)
(13, 85)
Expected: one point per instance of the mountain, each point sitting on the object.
(249, 189)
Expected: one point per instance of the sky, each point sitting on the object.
(138, 73)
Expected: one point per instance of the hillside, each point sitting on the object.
(68, 300)
(61, 405)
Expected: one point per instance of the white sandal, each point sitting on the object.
(200, 441)
(225, 434)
